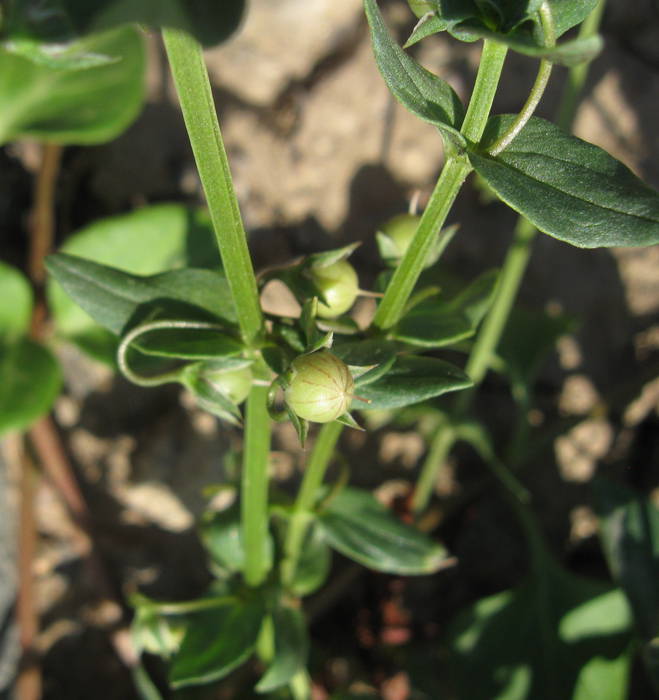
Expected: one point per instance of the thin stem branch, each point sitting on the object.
(456, 169)
(537, 91)
(194, 92)
(320, 457)
(440, 448)
(254, 491)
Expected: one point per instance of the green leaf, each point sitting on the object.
(428, 24)
(209, 21)
(29, 383)
(147, 241)
(540, 641)
(217, 641)
(291, 648)
(362, 353)
(361, 528)
(222, 538)
(314, 564)
(568, 188)
(112, 297)
(188, 343)
(568, 13)
(424, 94)
(437, 323)
(411, 380)
(629, 530)
(530, 336)
(68, 57)
(16, 310)
(83, 106)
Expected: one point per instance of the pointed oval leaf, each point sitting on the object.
(411, 380)
(16, 307)
(424, 94)
(498, 652)
(144, 242)
(361, 528)
(112, 297)
(362, 353)
(66, 106)
(209, 21)
(568, 188)
(29, 383)
(314, 564)
(291, 648)
(217, 641)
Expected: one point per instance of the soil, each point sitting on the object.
(321, 155)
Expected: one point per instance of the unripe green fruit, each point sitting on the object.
(235, 383)
(338, 285)
(401, 229)
(321, 387)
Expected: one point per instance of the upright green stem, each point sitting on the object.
(456, 169)
(320, 457)
(194, 93)
(254, 487)
(439, 450)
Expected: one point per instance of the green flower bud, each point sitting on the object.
(319, 388)
(233, 383)
(401, 229)
(339, 287)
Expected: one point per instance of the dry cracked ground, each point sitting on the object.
(321, 154)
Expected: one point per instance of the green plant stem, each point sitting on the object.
(577, 75)
(537, 91)
(440, 447)
(196, 99)
(320, 457)
(505, 294)
(254, 487)
(456, 169)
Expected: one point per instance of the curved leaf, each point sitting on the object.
(209, 21)
(424, 94)
(539, 641)
(112, 297)
(29, 383)
(51, 102)
(568, 188)
(411, 380)
(361, 528)
(217, 641)
(291, 648)
(16, 309)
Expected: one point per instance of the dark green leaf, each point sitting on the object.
(16, 307)
(423, 7)
(629, 527)
(209, 21)
(217, 641)
(424, 94)
(362, 353)
(361, 528)
(291, 648)
(543, 641)
(144, 242)
(568, 188)
(29, 383)
(221, 534)
(411, 380)
(112, 297)
(436, 323)
(568, 13)
(187, 343)
(73, 106)
(529, 337)
(313, 565)
(430, 24)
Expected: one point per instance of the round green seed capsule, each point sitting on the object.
(320, 388)
(234, 384)
(401, 230)
(339, 287)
